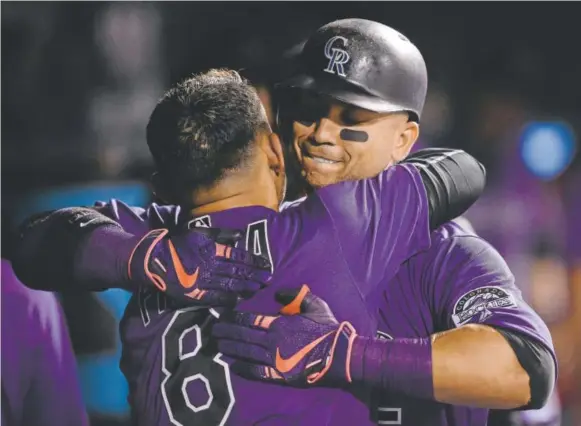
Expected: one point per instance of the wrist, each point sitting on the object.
(337, 367)
(401, 365)
(138, 265)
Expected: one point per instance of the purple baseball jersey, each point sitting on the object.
(364, 247)
(39, 379)
(344, 241)
(460, 280)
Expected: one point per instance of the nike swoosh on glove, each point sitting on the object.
(197, 268)
(302, 346)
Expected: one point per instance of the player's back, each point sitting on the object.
(303, 248)
(180, 379)
(176, 377)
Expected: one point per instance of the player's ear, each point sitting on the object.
(408, 134)
(275, 154)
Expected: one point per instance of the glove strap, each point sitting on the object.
(337, 364)
(138, 265)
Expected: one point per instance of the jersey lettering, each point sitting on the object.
(181, 369)
(257, 240)
(149, 300)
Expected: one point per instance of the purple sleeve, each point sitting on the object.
(129, 217)
(470, 283)
(54, 395)
(101, 260)
(69, 254)
(137, 220)
(380, 222)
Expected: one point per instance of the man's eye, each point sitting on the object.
(304, 117)
(307, 115)
(349, 120)
(306, 120)
(305, 108)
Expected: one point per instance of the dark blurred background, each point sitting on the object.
(79, 81)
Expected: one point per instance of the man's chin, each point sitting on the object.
(316, 181)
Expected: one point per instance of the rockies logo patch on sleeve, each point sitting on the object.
(480, 302)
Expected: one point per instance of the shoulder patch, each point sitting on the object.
(481, 301)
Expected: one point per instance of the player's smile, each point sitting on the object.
(319, 162)
(320, 159)
(321, 155)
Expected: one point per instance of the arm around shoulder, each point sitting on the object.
(50, 244)
(492, 350)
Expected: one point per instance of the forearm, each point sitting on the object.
(73, 249)
(103, 258)
(472, 365)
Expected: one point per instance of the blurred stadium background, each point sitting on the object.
(79, 81)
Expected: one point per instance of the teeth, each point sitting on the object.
(323, 160)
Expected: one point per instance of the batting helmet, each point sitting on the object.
(363, 63)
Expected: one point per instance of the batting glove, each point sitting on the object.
(197, 268)
(302, 346)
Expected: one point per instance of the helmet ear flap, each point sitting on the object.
(278, 95)
(276, 110)
(281, 126)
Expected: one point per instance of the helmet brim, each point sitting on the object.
(342, 90)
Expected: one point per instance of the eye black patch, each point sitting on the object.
(354, 135)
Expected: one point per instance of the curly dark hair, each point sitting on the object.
(203, 127)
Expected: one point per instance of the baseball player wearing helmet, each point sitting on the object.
(351, 109)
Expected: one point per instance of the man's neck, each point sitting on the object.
(228, 196)
(234, 201)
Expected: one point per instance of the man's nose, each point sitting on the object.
(326, 132)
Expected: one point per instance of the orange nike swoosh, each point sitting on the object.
(286, 365)
(186, 280)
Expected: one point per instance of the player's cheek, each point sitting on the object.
(302, 131)
(365, 160)
(382, 141)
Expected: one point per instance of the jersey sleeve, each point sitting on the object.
(379, 222)
(468, 282)
(453, 179)
(83, 247)
(138, 220)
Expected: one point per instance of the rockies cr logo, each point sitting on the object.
(337, 56)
